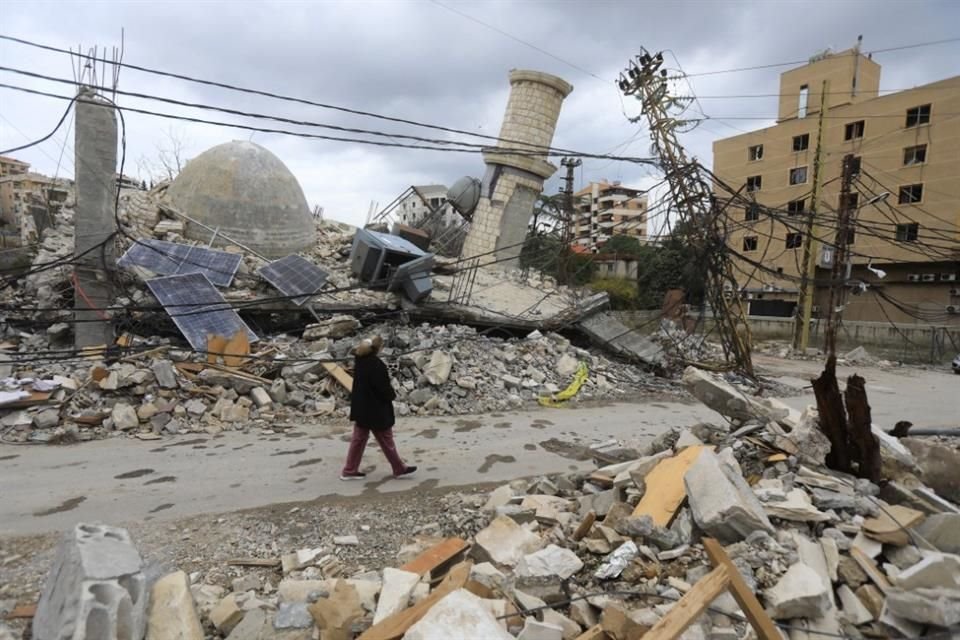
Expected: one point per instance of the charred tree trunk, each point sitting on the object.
(865, 446)
(833, 421)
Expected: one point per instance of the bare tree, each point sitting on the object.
(169, 159)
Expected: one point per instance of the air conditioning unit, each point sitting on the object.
(929, 277)
(948, 277)
(955, 292)
(913, 277)
(953, 309)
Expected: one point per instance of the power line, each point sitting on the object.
(794, 62)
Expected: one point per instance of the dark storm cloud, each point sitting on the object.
(424, 62)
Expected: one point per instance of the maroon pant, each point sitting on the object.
(359, 442)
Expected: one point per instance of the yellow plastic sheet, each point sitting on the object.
(559, 399)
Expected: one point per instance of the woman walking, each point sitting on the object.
(371, 409)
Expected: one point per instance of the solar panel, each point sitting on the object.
(170, 258)
(294, 276)
(197, 308)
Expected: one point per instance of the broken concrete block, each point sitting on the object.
(300, 590)
(643, 527)
(547, 509)
(717, 394)
(173, 615)
(335, 615)
(395, 594)
(278, 391)
(499, 497)
(165, 374)
(226, 615)
(570, 629)
(46, 419)
(533, 630)
(938, 463)
(800, 593)
(299, 559)
(485, 574)
(124, 416)
(292, 615)
(459, 615)
(939, 607)
(335, 327)
(872, 599)
(551, 561)
(96, 586)
(346, 541)
(853, 610)
(437, 371)
(942, 530)
(721, 502)
(254, 626)
(260, 397)
(566, 365)
(504, 542)
(934, 571)
(599, 503)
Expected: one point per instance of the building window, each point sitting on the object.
(918, 115)
(796, 207)
(750, 243)
(755, 152)
(753, 183)
(801, 142)
(853, 130)
(794, 240)
(911, 193)
(908, 232)
(915, 155)
(753, 212)
(802, 103)
(798, 175)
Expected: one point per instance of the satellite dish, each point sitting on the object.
(464, 195)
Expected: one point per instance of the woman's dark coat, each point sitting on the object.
(371, 402)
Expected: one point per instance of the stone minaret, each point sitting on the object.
(513, 181)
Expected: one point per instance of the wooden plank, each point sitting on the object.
(436, 556)
(891, 524)
(396, 625)
(665, 490)
(36, 397)
(595, 632)
(871, 569)
(688, 609)
(236, 349)
(23, 611)
(601, 479)
(585, 525)
(215, 348)
(340, 374)
(254, 562)
(748, 602)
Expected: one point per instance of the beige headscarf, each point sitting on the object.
(368, 346)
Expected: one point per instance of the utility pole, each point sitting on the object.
(693, 198)
(95, 145)
(838, 270)
(801, 336)
(566, 228)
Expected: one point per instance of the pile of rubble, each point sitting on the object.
(608, 555)
(162, 390)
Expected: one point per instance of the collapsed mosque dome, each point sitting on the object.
(245, 193)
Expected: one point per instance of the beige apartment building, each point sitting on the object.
(11, 166)
(905, 195)
(604, 210)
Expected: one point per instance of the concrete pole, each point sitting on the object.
(95, 145)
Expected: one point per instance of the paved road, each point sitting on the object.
(49, 488)
(122, 480)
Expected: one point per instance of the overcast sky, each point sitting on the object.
(424, 61)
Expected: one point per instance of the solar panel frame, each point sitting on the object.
(197, 308)
(171, 258)
(294, 276)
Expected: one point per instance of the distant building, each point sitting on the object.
(28, 201)
(12, 166)
(604, 210)
(614, 266)
(903, 143)
(414, 209)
